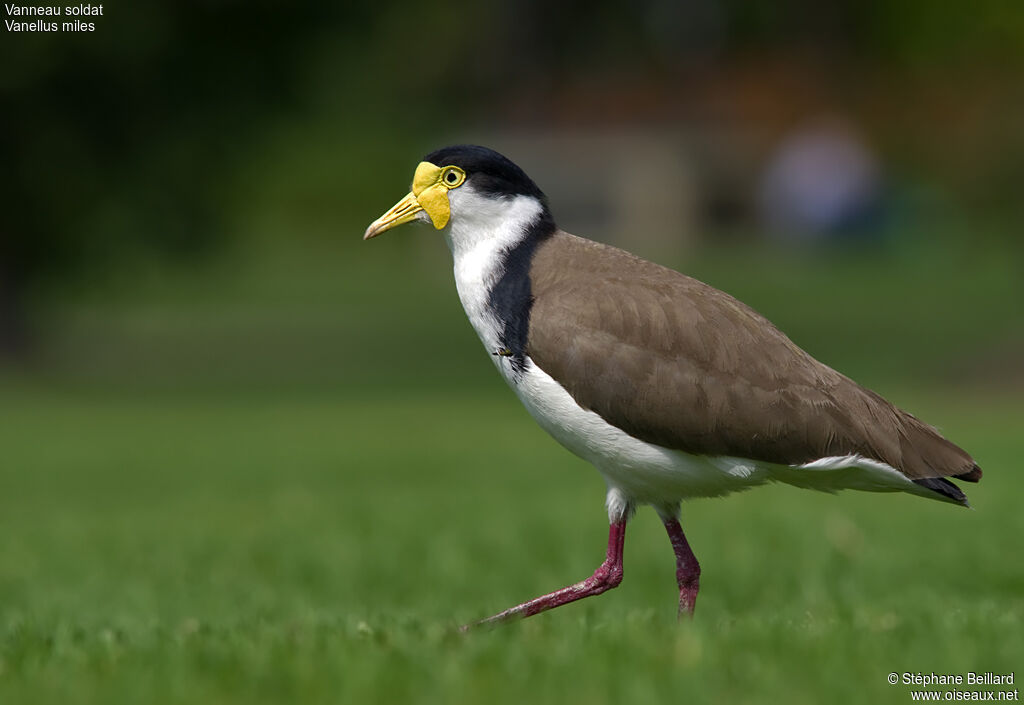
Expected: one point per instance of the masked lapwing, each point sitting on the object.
(669, 387)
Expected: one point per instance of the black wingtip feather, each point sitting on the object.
(945, 488)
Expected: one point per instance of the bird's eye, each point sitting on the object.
(453, 176)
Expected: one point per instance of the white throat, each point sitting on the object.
(495, 223)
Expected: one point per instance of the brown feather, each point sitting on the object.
(675, 362)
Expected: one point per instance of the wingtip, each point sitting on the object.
(973, 475)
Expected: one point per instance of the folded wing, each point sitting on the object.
(675, 362)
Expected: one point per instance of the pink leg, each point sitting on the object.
(687, 567)
(607, 576)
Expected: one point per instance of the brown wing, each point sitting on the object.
(678, 363)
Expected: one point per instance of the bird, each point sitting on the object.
(670, 388)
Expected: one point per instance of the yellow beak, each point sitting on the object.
(428, 194)
(402, 212)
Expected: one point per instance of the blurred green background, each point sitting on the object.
(248, 457)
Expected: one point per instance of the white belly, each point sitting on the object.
(644, 472)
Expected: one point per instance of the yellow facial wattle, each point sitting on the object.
(432, 193)
(430, 187)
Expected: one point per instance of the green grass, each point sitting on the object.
(286, 479)
(164, 549)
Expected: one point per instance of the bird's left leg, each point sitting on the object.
(687, 567)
